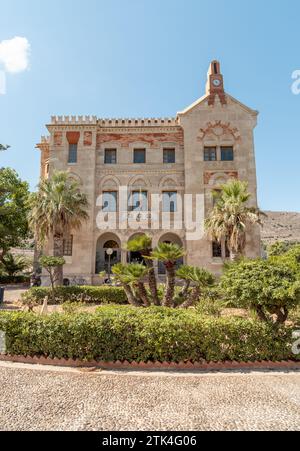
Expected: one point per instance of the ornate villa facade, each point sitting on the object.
(192, 154)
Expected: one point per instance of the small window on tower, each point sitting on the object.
(110, 156)
(139, 156)
(227, 154)
(210, 154)
(169, 156)
(72, 154)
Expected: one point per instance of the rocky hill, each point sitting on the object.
(281, 226)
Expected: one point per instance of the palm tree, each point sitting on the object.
(143, 244)
(57, 208)
(169, 254)
(137, 273)
(200, 278)
(122, 275)
(14, 265)
(231, 217)
(182, 273)
(2, 147)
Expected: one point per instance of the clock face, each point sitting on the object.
(217, 82)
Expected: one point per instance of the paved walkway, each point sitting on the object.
(35, 398)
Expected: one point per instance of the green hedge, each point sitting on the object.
(155, 334)
(88, 295)
(14, 280)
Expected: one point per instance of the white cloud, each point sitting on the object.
(14, 54)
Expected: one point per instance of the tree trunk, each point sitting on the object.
(282, 315)
(143, 294)
(192, 299)
(170, 286)
(130, 295)
(186, 288)
(58, 251)
(152, 282)
(234, 256)
(261, 314)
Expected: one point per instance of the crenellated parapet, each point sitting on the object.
(93, 120)
(74, 120)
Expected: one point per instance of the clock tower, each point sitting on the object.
(215, 84)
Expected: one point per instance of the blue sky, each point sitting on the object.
(139, 58)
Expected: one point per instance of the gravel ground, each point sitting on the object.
(35, 398)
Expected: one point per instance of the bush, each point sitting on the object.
(14, 280)
(87, 295)
(271, 288)
(153, 334)
(209, 307)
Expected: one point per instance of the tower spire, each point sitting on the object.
(215, 84)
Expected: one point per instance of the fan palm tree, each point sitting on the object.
(169, 254)
(231, 216)
(143, 244)
(2, 147)
(57, 208)
(13, 265)
(137, 273)
(183, 273)
(123, 276)
(199, 278)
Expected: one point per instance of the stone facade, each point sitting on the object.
(215, 122)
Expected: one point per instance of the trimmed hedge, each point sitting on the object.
(155, 334)
(14, 280)
(87, 295)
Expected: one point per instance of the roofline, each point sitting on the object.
(206, 96)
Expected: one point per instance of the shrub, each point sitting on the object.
(14, 280)
(153, 334)
(210, 307)
(280, 248)
(271, 288)
(72, 307)
(87, 295)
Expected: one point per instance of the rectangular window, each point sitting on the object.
(138, 201)
(169, 156)
(210, 154)
(110, 156)
(109, 201)
(68, 246)
(217, 249)
(139, 156)
(227, 154)
(170, 201)
(72, 159)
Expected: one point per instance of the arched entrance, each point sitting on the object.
(174, 239)
(107, 241)
(135, 257)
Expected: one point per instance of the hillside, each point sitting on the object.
(281, 226)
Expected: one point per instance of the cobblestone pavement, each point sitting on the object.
(35, 398)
